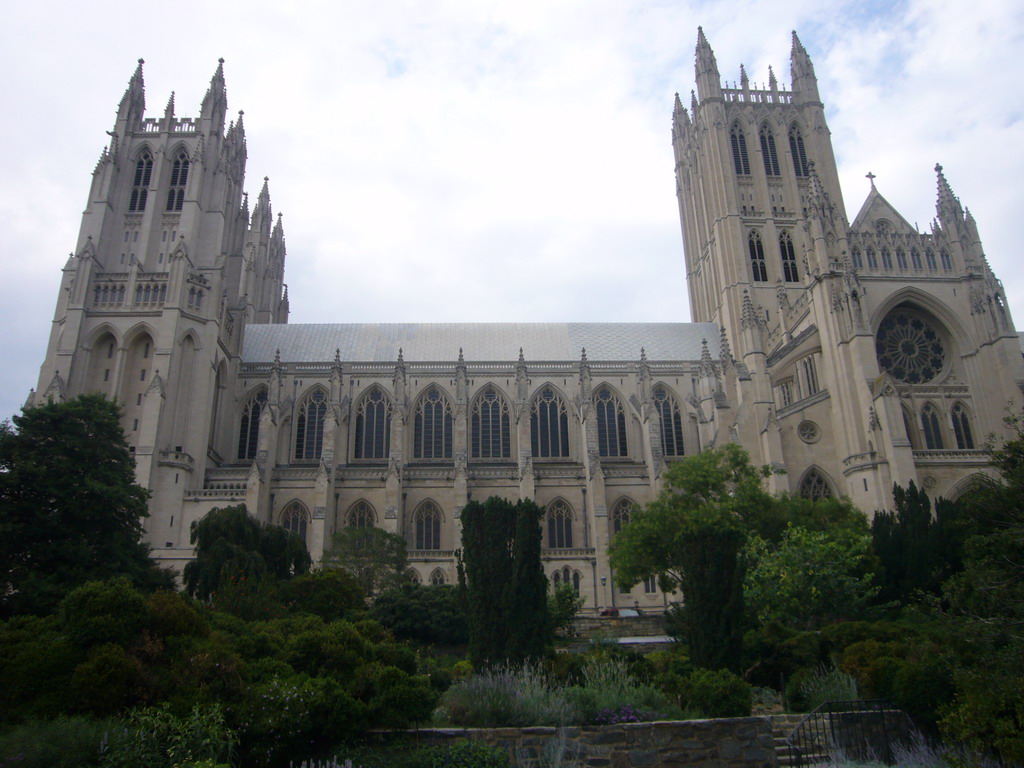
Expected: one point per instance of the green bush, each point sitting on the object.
(175, 614)
(336, 649)
(810, 688)
(469, 754)
(36, 664)
(393, 698)
(155, 738)
(428, 615)
(108, 681)
(100, 612)
(64, 742)
(718, 693)
(329, 593)
(504, 696)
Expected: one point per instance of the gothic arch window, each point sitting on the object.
(929, 259)
(621, 514)
(611, 424)
(909, 347)
(413, 576)
(432, 426)
(437, 578)
(249, 429)
(915, 258)
(549, 425)
(373, 426)
(140, 182)
(179, 178)
(947, 263)
(567, 576)
(858, 260)
(295, 518)
(908, 428)
(809, 369)
(768, 151)
(789, 272)
(931, 427)
(886, 259)
(361, 515)
(962, 428)
(559, 517)
(814, 486)
(872, 259)
(740, 159)
(796, 148)
(901, 259)
(491, 435)
(426, 523)
(309, 427)
(671, 422)
(757, 265)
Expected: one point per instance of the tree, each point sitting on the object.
(425, 614)
(505, 583)
(70, 510)
(691, 538)
(374, 557)
(231, 544)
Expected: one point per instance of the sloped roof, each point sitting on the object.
(877, 207)
(483, 342)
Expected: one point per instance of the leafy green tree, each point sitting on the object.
(231, 544)
(563, 605)
(506, 586)
(70, 510)
(425, 614)
(807, 579)
(691, 537)
(374, 557)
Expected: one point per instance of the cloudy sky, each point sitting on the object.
(483, 161)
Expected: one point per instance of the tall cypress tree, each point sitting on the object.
(505, 583)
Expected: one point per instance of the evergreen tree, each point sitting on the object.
(374, 557)
(505, 583)
(70, 510)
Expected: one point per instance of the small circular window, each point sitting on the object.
(909, 348)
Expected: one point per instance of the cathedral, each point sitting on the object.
(850, 354)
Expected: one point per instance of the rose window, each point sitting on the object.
(909, 348)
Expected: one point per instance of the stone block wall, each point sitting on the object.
(744, 742)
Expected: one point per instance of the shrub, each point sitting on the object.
(156, 738)
(107, 681)
(36, 664)
(65, 742)
(505, 696)
(809, 689)
(336, 649)
(393, 698)
(174, 614)
(429, 615)
(330, 594)
(469, 754)
(100, 612)
(718, 693)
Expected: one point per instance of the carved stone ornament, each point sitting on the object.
(391, 512)
(808, 431)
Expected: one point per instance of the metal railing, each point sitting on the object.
(856, 730)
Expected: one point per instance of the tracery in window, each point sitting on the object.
(741, 162)
(432, 430)
(789, 272)
(962, 428)
(179, 177)
(915, 258)
(309, 426)
(437, 578)
(426, 523)
(901, 258)
(872, 259)
(489, 426)
(909, 348)
(140, 183)
(768, 152)
(373, 426)
(930, 425)
(671, 422)
(249, 429)
(621, 513)
(413, 576)
(611, 424)
(567, 576)
(814, 486)
(361, 515)
(796, 149)
(549, 426)
(757, 265)
(886, 259)
(295, 518)
(559, 519)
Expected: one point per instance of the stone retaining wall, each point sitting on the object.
(619, 626)
(744, 742)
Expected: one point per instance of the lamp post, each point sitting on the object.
(604, 592)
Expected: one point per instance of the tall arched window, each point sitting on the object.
(140, 183)
(360, 515)
(295, 518)
(886, 259)
(437, 578)
(858, 260)
(757, 265)
(559, 517)
(929, 259)
(814, 486)
(915, 258)
(179, 177)
(962, 428)
(789, 272)
(947, 263)
(549, 426)
(611, 424)
(413, 576)
(671, 422)
(309, 427)
(567, 576)
(901, 259)
(930, 424)
(739, 151)
(432, 430)
(249, 430)
(768, 152)
(426, 523)
(621, 514)
(373, 426)
(490, 426)
(796, 149)
(872, 259)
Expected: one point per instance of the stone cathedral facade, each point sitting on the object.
(854, 355)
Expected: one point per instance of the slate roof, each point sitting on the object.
(481, 342)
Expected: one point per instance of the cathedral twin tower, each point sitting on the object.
(853, 355)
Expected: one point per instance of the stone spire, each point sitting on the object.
(215, 102)
(805, 83)
(709, 81)
(133, 103)
(950, 212)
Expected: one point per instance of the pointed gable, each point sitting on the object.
(877, 207)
